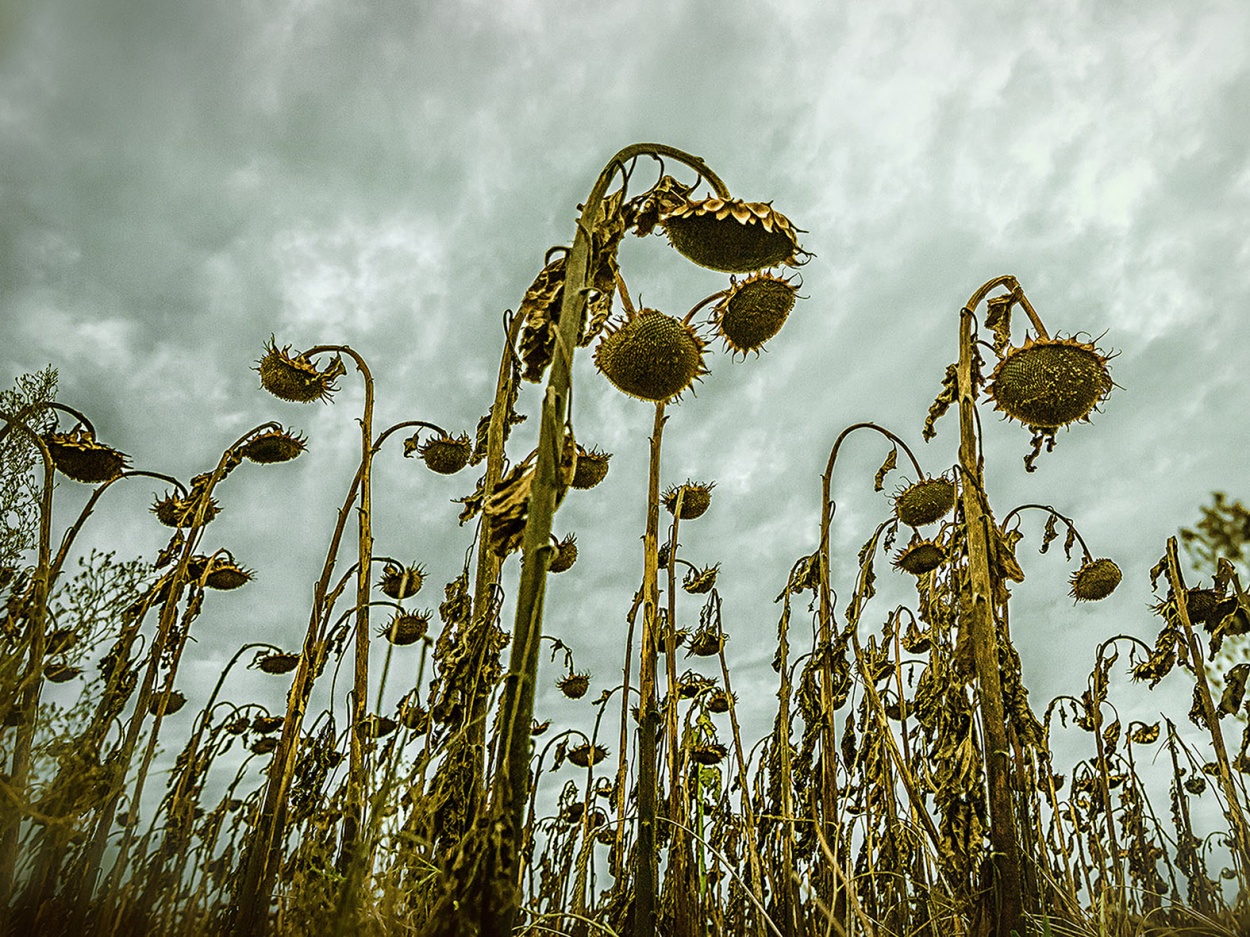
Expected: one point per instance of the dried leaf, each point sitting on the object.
(890, 463)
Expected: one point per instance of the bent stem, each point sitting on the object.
(501, 901)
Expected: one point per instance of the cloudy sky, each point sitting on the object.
(179, 181)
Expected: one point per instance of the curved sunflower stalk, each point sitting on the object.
(188, 572)
(297, 378)
(499, 897)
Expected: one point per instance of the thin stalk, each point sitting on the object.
(646, 876)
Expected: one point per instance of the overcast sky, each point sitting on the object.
(180, 180)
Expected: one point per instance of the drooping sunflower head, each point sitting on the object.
(731, 235)
(406, 628)
(294, 377)
(218, 572)
(574, 685)
(446, 454)
(273, 446)
(920, 557)
(696, 498)
(400, 582)
(173, 511)
(1096, 579)
(1049, 383)
(586, 755)
(651, 355)
(753, 311)
(592, 468)
(77, 455)
(700, 581)
(278, 663)
(924, 502)
(565, 556)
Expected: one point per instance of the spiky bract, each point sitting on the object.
(1050, 383)
(753, 311)
(926, 501)
(731, 235)
(651, 355)
(1096, 579)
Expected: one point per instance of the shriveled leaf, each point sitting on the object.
(890, 463)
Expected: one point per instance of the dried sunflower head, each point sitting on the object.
(77, 455)
(446, 454)
(414, 717)
(400, 582)
(173, 511)
(592, 468)
(1050, 383)
(565, 556)
(265, 725)
(1096, 579)
(586, 755)
(920, 557)
(376, 727)
(176, 701)
(695, 500)
(731, 235)
(574, 685)
(700, 581)
(60, 672)
(707, 643)
(926, 501)
(650, 355)
(218, 572)
(708, 754)
(263, 745)
(276, 663)
(406, 628)
(273, 446)
(295, 378)
(719, 701)
(753, 311)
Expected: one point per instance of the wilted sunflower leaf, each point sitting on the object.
(890, 463)
(1049, 534)
(1145, 734)
(1069, 542)
(1234, 689)
(942, 403)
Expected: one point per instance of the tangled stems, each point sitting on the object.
(829, 781)
(31, 684)
(511, 782)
